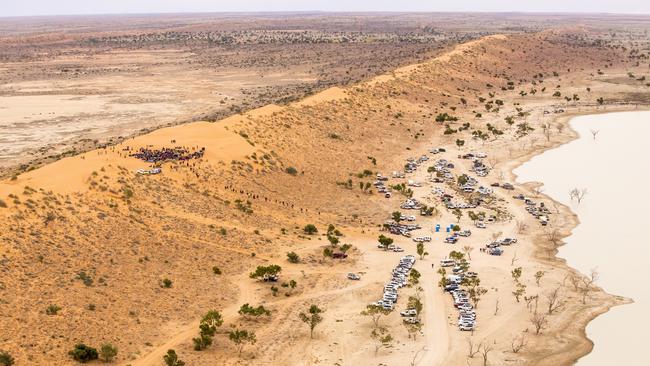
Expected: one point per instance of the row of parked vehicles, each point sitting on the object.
(466, 313)
(399, 279)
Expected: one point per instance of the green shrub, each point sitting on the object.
(310, 229)
(293, 257)
(52, 309)
(83, 353)
(108, 352)
(6, 359)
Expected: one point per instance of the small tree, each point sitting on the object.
(397, 216)
(382, 337)
(171, 359)
(241, 337)
(476, 293)
(414, 277)
(332, 239)
(262, 271)
(313, 318)
(207, 328)
(516, 274)
(458, 213)
(385, 241)
(413, 329)
(538, 276)
(519, 291)
(415, 303)
(83, 353)
(421, 252)
(6, 359)
(375, 313)
(107, 352)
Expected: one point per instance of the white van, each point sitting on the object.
(447, 263)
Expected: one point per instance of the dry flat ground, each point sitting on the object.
(88, 235)
(72, 84)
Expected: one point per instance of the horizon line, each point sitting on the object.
(270, 12)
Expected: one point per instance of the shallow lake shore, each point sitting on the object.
(586, 155)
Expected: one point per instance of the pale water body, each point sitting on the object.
(613, 233)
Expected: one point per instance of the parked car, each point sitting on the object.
(409, 312)
(411, 320)
(354, 276)
(465, 233)
(451, 240)
(447, 263)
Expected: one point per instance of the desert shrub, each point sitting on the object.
(291, 170)
(52, 309)
(216, 270)
(292, 257)
(166, 283)
(83, 353)
(85, 278)
(108, 352)
(171, 359)
(6, 359)
(310, 229)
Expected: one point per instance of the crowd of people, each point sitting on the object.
(164, 154)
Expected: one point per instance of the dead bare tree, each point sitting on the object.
(492, 161)
(529, 300)
(587, 284)
(468, 251)
(473, 351)
(485, 352)
(575, 281)
(538, 276)
(554, 238)
(546, 129)
(578, 194)
(539, 321)
(415, 356)
(554, 301)
(521, 227)
(559, 127)
(518, 343)
(496, 307)
(594, 133)
(514, 259)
